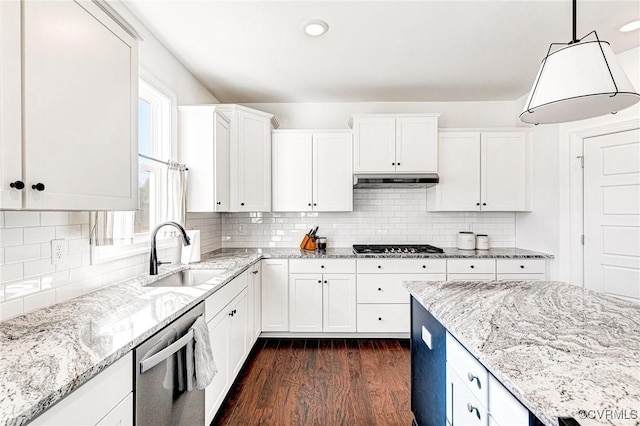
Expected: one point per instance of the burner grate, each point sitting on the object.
(395, 249)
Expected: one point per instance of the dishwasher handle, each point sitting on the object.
(155, 359)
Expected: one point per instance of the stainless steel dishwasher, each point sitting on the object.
(161, 387)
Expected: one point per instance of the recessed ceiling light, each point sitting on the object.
(631, 26)
(315, 27)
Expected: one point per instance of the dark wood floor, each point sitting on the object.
(322, 382)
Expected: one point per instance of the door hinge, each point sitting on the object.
(581, 157)
(582, 239)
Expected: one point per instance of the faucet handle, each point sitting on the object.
(163, 263)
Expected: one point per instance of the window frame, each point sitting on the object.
(164, 145)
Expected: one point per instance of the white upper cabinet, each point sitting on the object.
(482, 171)
(250, 158)
(78, 129)
(395, 143)
(204, 143)
(312, 171)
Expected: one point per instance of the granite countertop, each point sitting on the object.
(47, 354)
(561, 350)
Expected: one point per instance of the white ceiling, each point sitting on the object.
(375, 50)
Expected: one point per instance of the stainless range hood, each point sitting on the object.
(424, 180)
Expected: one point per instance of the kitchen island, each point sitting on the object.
(562, 351)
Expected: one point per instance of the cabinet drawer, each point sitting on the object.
(92, 401)
(471, 266)
(521, 266)
(221, 298)
(470, 371)
(466, 408)
(504, 407)
(521, 277)
(121, 415)
(384, 318)
(402, 266)
(388, 288)
(322, 266)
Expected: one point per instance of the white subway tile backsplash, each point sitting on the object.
(39, 300)
(78, 218)
(21, 219)
(39, 234)
(21, 288)
(21, 253)
(11, 308)
(54, 218)
(38, 267)
(11, 237)
(68, 292)
(10, 272)
(69, 232)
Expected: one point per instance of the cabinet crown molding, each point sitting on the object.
(392, 115)
(236, 107)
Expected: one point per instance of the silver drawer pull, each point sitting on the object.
(471, 409)
(471, 378)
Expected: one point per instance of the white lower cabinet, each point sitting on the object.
(471, 269)
(521, 269)
(106, 399)
(474, 396)
(228, 330)
(275, 294)
(383, 302)
(254, 299)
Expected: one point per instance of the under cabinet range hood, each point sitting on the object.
(423, 180)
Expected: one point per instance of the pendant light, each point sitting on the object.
(580, 80)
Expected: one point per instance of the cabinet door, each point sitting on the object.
(375, 145)
(504, 171)
(253, 164)
(459, 171)
(219, 337)
(197, 150)
(305, 302)
(292, 172)
(80, 108)
(257, 302)
(221, 184)
(339, 303)
(332, 172)
(121, 415)
(275, 295)
(239, 313)
(417, 145)
(10, 106)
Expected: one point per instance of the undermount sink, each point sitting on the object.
(187, 278)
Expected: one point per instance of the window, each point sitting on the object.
(131, 230)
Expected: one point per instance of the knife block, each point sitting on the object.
(308, 243)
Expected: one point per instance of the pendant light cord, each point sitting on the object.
(575, 20)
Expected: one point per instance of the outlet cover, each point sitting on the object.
(59, 250)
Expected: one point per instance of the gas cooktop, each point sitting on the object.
(395, 249)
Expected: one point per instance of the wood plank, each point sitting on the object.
(322, 382)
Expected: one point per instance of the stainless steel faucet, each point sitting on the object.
(153, 261)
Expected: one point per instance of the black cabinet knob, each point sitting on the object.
(379, 289)
(393, 164)
(315, 204)
(218, 203)
(38, 186)
(242, 204)
(398, 164)
(17, 184)
(309, 204)
(322, 266)
(472, 266)
(379, 318)
(325, 281)
(521, 266)
(484, 204)
(477, 204)
(424, 266)
(379, 267)
(319, 281)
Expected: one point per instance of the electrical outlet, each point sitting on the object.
(59, 249)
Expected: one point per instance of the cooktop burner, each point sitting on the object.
(395, 248)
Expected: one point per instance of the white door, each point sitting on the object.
(221, 185)
(612, 213)
(375, 145)
(275, 294)
(254, 163)
(305, 302)
(238, 311)
(332, 172)
(80, 108)
(503, 171)
(292, 172)
(10, 107)
(219, 337)
(459, 171)
(339, 303)
(417, 145)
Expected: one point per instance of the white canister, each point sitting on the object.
(466, 240)
(482, 242)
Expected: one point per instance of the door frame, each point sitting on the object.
(576, 151)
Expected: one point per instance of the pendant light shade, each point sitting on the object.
(576, 82)
(580, 80)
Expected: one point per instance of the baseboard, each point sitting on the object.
(289, 335)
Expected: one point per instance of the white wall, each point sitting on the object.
(336, 115)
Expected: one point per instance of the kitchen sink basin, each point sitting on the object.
(187, 278)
